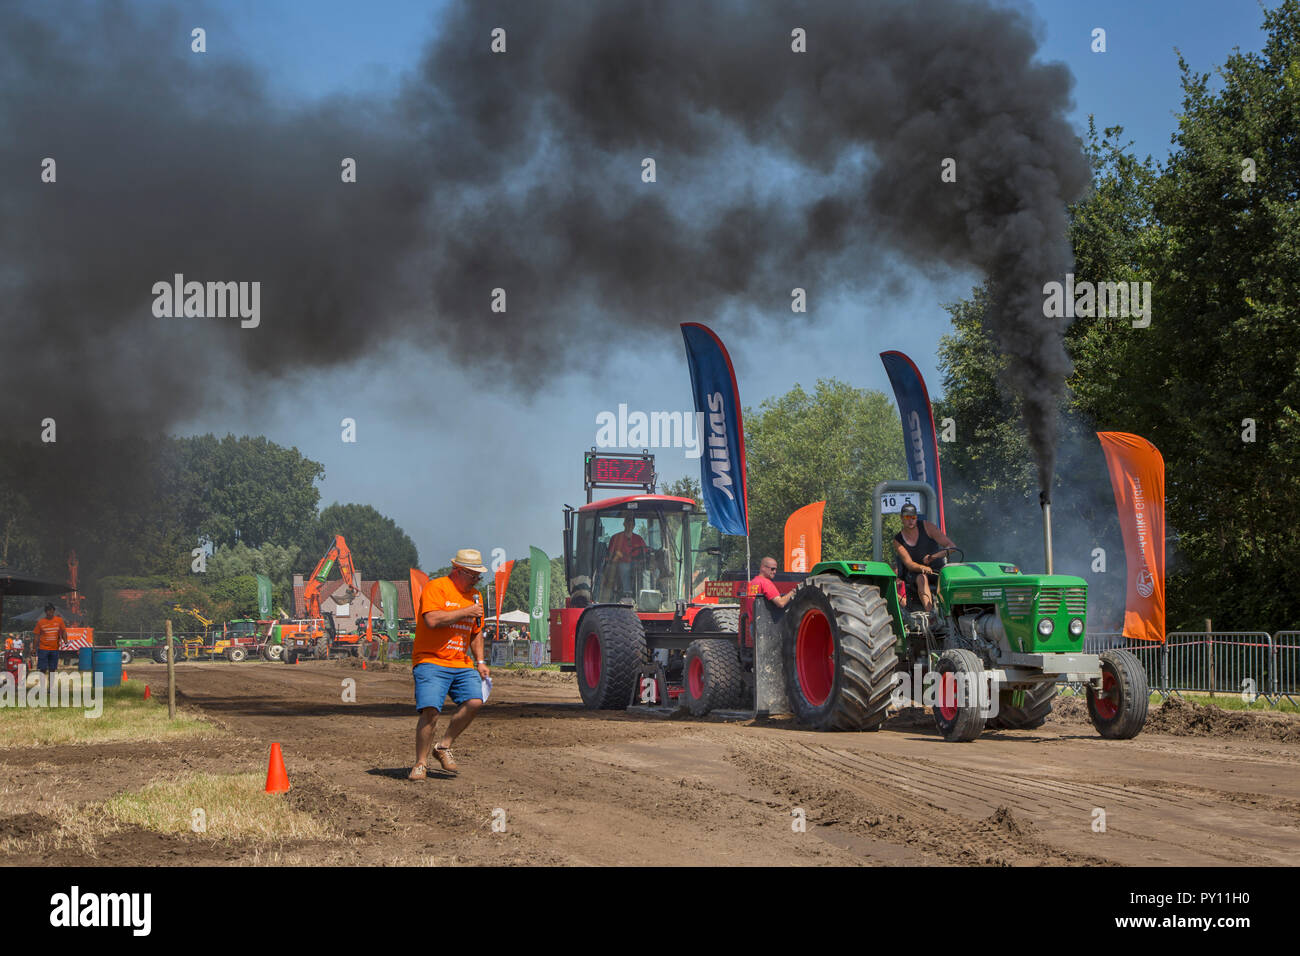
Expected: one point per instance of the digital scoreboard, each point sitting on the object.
(613, 470)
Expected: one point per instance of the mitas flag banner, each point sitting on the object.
(920, 442)
(803, 537)
(502, 578)
(264, 597)
(1137, 474)
(539, 587)
(722, 466)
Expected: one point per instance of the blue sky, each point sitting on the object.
(462, 460)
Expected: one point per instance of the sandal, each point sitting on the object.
(418, 772)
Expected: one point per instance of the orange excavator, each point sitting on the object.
(316, 636)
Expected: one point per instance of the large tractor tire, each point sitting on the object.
(290, 656)
(608, 652)
(713, 678)
(959, 716)
(127, 657)
(160, 654)
(1031, 714)
(839, 656)
(272, 652)
(235, 654)
(1120, 710)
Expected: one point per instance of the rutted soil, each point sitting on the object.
(544, 781)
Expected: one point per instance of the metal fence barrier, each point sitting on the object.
(1214, 662)
(1286, 665)
(530, 653)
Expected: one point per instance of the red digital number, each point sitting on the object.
(620, 470)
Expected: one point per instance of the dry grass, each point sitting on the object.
(125, 716)
(234, 808)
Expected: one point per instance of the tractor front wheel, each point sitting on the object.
(272, 652)
(126, 657)
(712, 678)
(839, 656)
(608, 653)
(1120, 710)
(235, 654)
(959, 705)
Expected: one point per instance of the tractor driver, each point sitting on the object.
(917, 546)
(625, 547)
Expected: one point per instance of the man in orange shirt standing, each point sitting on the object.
(51, 634)
(449, 620)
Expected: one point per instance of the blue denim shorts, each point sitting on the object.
(433, 682)
(47, 660)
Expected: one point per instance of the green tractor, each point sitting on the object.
(989, 656)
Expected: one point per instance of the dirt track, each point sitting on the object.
(580, 787)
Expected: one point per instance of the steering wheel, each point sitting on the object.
(944, 552)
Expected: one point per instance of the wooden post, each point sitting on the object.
(171, 674)
(1209, 647)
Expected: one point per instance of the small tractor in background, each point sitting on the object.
(989, 655)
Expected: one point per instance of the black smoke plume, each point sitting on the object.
(521, 171)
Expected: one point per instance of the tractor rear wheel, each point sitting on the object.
(712, 678)
(272, 652)
(839, 654)
(959, 688)
(235, 654)
(608, 652)
(1120, 710)
(160, 654)
(1032, 713)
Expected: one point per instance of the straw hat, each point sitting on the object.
(470, 560)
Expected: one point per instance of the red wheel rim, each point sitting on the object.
(814, 655)
(1106, 706)
(591, 660)
(948, 695)
(696, 677)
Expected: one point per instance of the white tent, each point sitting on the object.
(513, 617)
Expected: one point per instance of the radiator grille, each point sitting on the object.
(1049, 601)
(1019, 600)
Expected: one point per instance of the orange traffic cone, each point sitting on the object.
(124, 677)
(277, 779)
(363, 665)
(147, 692)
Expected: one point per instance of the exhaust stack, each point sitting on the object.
(1046, 504)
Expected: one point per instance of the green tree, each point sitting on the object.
(380, 549)
(834, 445)
(248, 489)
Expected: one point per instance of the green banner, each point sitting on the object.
(539, 587)
(388, 597)
(263, 597)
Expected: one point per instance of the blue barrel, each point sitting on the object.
(85, 658)
(108, 661)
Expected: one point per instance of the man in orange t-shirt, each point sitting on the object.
(448, 621)
(51, 634)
